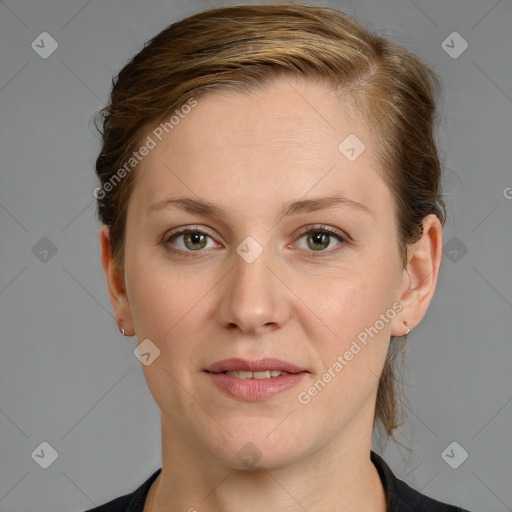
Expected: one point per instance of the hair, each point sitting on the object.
(246, 48)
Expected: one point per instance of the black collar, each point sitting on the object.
(400, 496)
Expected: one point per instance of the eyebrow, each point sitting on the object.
(199, 206)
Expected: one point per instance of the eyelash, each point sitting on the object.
(314, 229)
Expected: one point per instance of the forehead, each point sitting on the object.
(291, 138)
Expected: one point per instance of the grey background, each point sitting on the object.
(69, 378)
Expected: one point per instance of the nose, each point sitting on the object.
(253, 297)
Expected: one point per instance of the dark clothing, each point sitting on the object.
(400, 496)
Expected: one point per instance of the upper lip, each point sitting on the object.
(267, 363)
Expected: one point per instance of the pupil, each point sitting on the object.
(319, 237)
(195, 238)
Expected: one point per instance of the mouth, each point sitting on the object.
(254, 380)
(267, 374)
(267, 367)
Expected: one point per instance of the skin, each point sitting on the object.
(250, 155)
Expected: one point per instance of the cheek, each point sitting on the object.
(355, 309)
(351, 354)
(167, 309)
(172, 307)
(163, 296)
(345, 301)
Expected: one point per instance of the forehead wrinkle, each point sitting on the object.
(315, 140)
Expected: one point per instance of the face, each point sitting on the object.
(277, 278)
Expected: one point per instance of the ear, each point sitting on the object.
(420, 275)
(115, 284)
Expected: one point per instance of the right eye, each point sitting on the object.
(187, 240)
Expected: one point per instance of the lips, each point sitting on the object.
(254, 380)
(260, 365)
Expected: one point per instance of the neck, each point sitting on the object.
(339, 476)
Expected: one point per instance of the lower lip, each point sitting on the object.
(253, 390)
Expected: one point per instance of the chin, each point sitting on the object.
(252, 448)
(253, 457)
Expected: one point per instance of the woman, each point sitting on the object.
(272, 231)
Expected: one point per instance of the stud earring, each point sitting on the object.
(407, 325)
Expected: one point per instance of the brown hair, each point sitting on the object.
(244, 48)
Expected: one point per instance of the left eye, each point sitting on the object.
(319, 239)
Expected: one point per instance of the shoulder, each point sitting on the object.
(403, 498)
(116, 505)
(132, 502)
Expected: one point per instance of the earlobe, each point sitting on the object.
(115, 282)
(420, 275)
